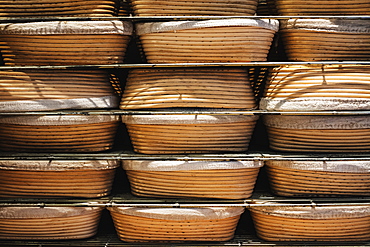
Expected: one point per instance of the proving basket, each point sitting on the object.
(56, 178)
(317, 88)
(49, 223)
(229, 40)
(320, 223)
(134, 224)
(65, 42)
(46, 90)
(318, 133)
(53, 133)
(173, 134)
(319, 178)
(326, 39)
(188, 87)
(205, 179)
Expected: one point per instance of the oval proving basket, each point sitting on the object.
(319, 178)
(194, 8)
(166, 134)
(188, 87)
(65, 133)
(49, 223)
(65, 42)
(38, 90)
(47, 8)
(326, 40)
(321, 223)
(175, 224)
(314, 88)
(231, 40)
(318, 133)
(205, 179)
(52, 178)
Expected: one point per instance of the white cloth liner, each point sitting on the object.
(173, 26)
(46, 212)
(328, 25)
(180, 214)
(174, 165)
(67, 27)
(348, 166)
(58, 165)
(317, 122)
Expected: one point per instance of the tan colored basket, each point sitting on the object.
(319, 178)
(326, 40)
(329, 223)
(48, 223)
(170, 134)
(315, 88)
(175, 224)
(44, 178)
(171, 179)
(67, 133)
(318, 133)
(231, 40)
(194, 8)
(188, 87)
(65, 43)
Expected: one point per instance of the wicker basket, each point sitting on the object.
(316, 88)
(65, 133)
(194, 8)
(172, 134)
(324, 223)
(231, 40)
(39, 90)
(52, 178)
(204, 179)
(326, 40)
(48, 223)
(318, 133)
(65, 42)
(319, 178)
(175, 224)
(188, 87)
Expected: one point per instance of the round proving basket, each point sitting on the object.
(58, 8)
(53, 133)
(65, 42)
(326, 40)
(56, 178)
(319, 178)
(135, 224)
(172, 134)
(318, 133)
(230, 40)
(317, 88)
(194, 8)
(38, 90)
(188, 87)
(321, 223)
(49, 223)
(205, 179)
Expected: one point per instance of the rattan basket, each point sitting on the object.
(318, 133)
(65, 42)
(229, 40)
(48, 223)
(321, 223)
(175, 224)
(326, 40)
(204, 179)
(53, 133)
(188, 87)
(319, 178)
(56, 178)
